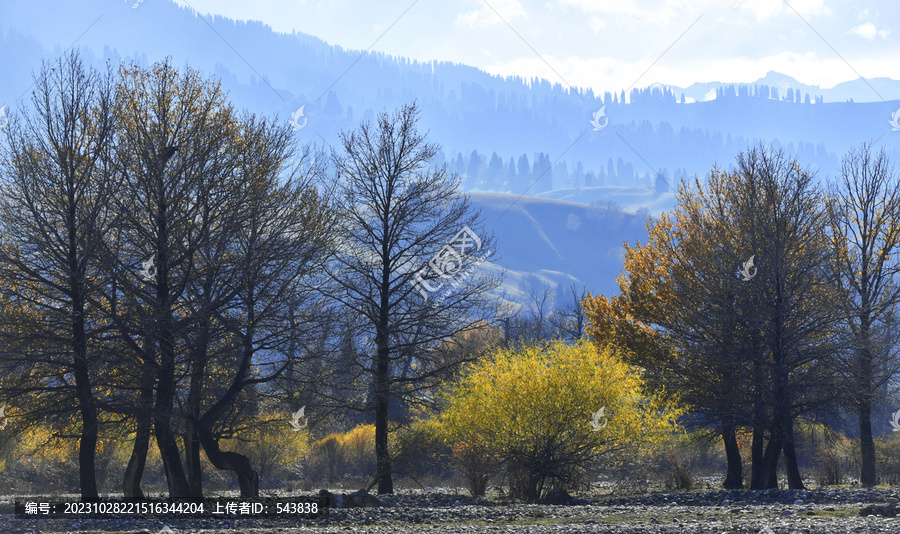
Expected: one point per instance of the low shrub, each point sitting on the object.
(476, 465)
(326, 459)
(419, 452)
(531, 409)
(887, 460)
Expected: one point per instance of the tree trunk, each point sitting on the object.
(171, 456)
(383, 388)
(89, 424)
(734, 472)
(382, 397)
(165, 437)
(192, 462)
(165, 388)
(248, 480)
(770, 461)
(866, 444)
(864, 406)
(784, 422)
(88, 444)
(195, 396)
(131, 484)
(795, 481)
(762, 472)
(757, 458)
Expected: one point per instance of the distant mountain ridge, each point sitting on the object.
(858, 90)
(505, 137)
(649, 132)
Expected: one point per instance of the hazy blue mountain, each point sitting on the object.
(558, 243)
(500, 135)
(465, 109)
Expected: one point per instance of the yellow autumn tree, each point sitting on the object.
(532, 409)
(731, 304)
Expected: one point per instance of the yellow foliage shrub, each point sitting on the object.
(358, 445)
(337, 455)
(271, 444)
(532, 410)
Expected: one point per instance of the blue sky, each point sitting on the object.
(607, 44)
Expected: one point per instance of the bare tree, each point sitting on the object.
(406, 238)
(569, 320)
(782, 218)
(176, 136)
(162, 255)
(538, 323)
(278, 245)
(531, 318)
(55, 208)
(864, 221)
(542, 318)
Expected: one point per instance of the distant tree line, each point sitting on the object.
(538, 174)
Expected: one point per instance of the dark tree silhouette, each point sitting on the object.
(406, 236)
(864, 221)
(56, 190)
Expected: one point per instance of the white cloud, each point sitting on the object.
(762, 9)
(610, 74)
(596, 23)
(608, 44)
(808, 8)
(661, 12)
(486, 15)
(869, 32)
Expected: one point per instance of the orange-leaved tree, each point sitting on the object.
(731, 304)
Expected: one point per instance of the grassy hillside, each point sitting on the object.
(543, 241)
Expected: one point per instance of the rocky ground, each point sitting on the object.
(746, 512)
